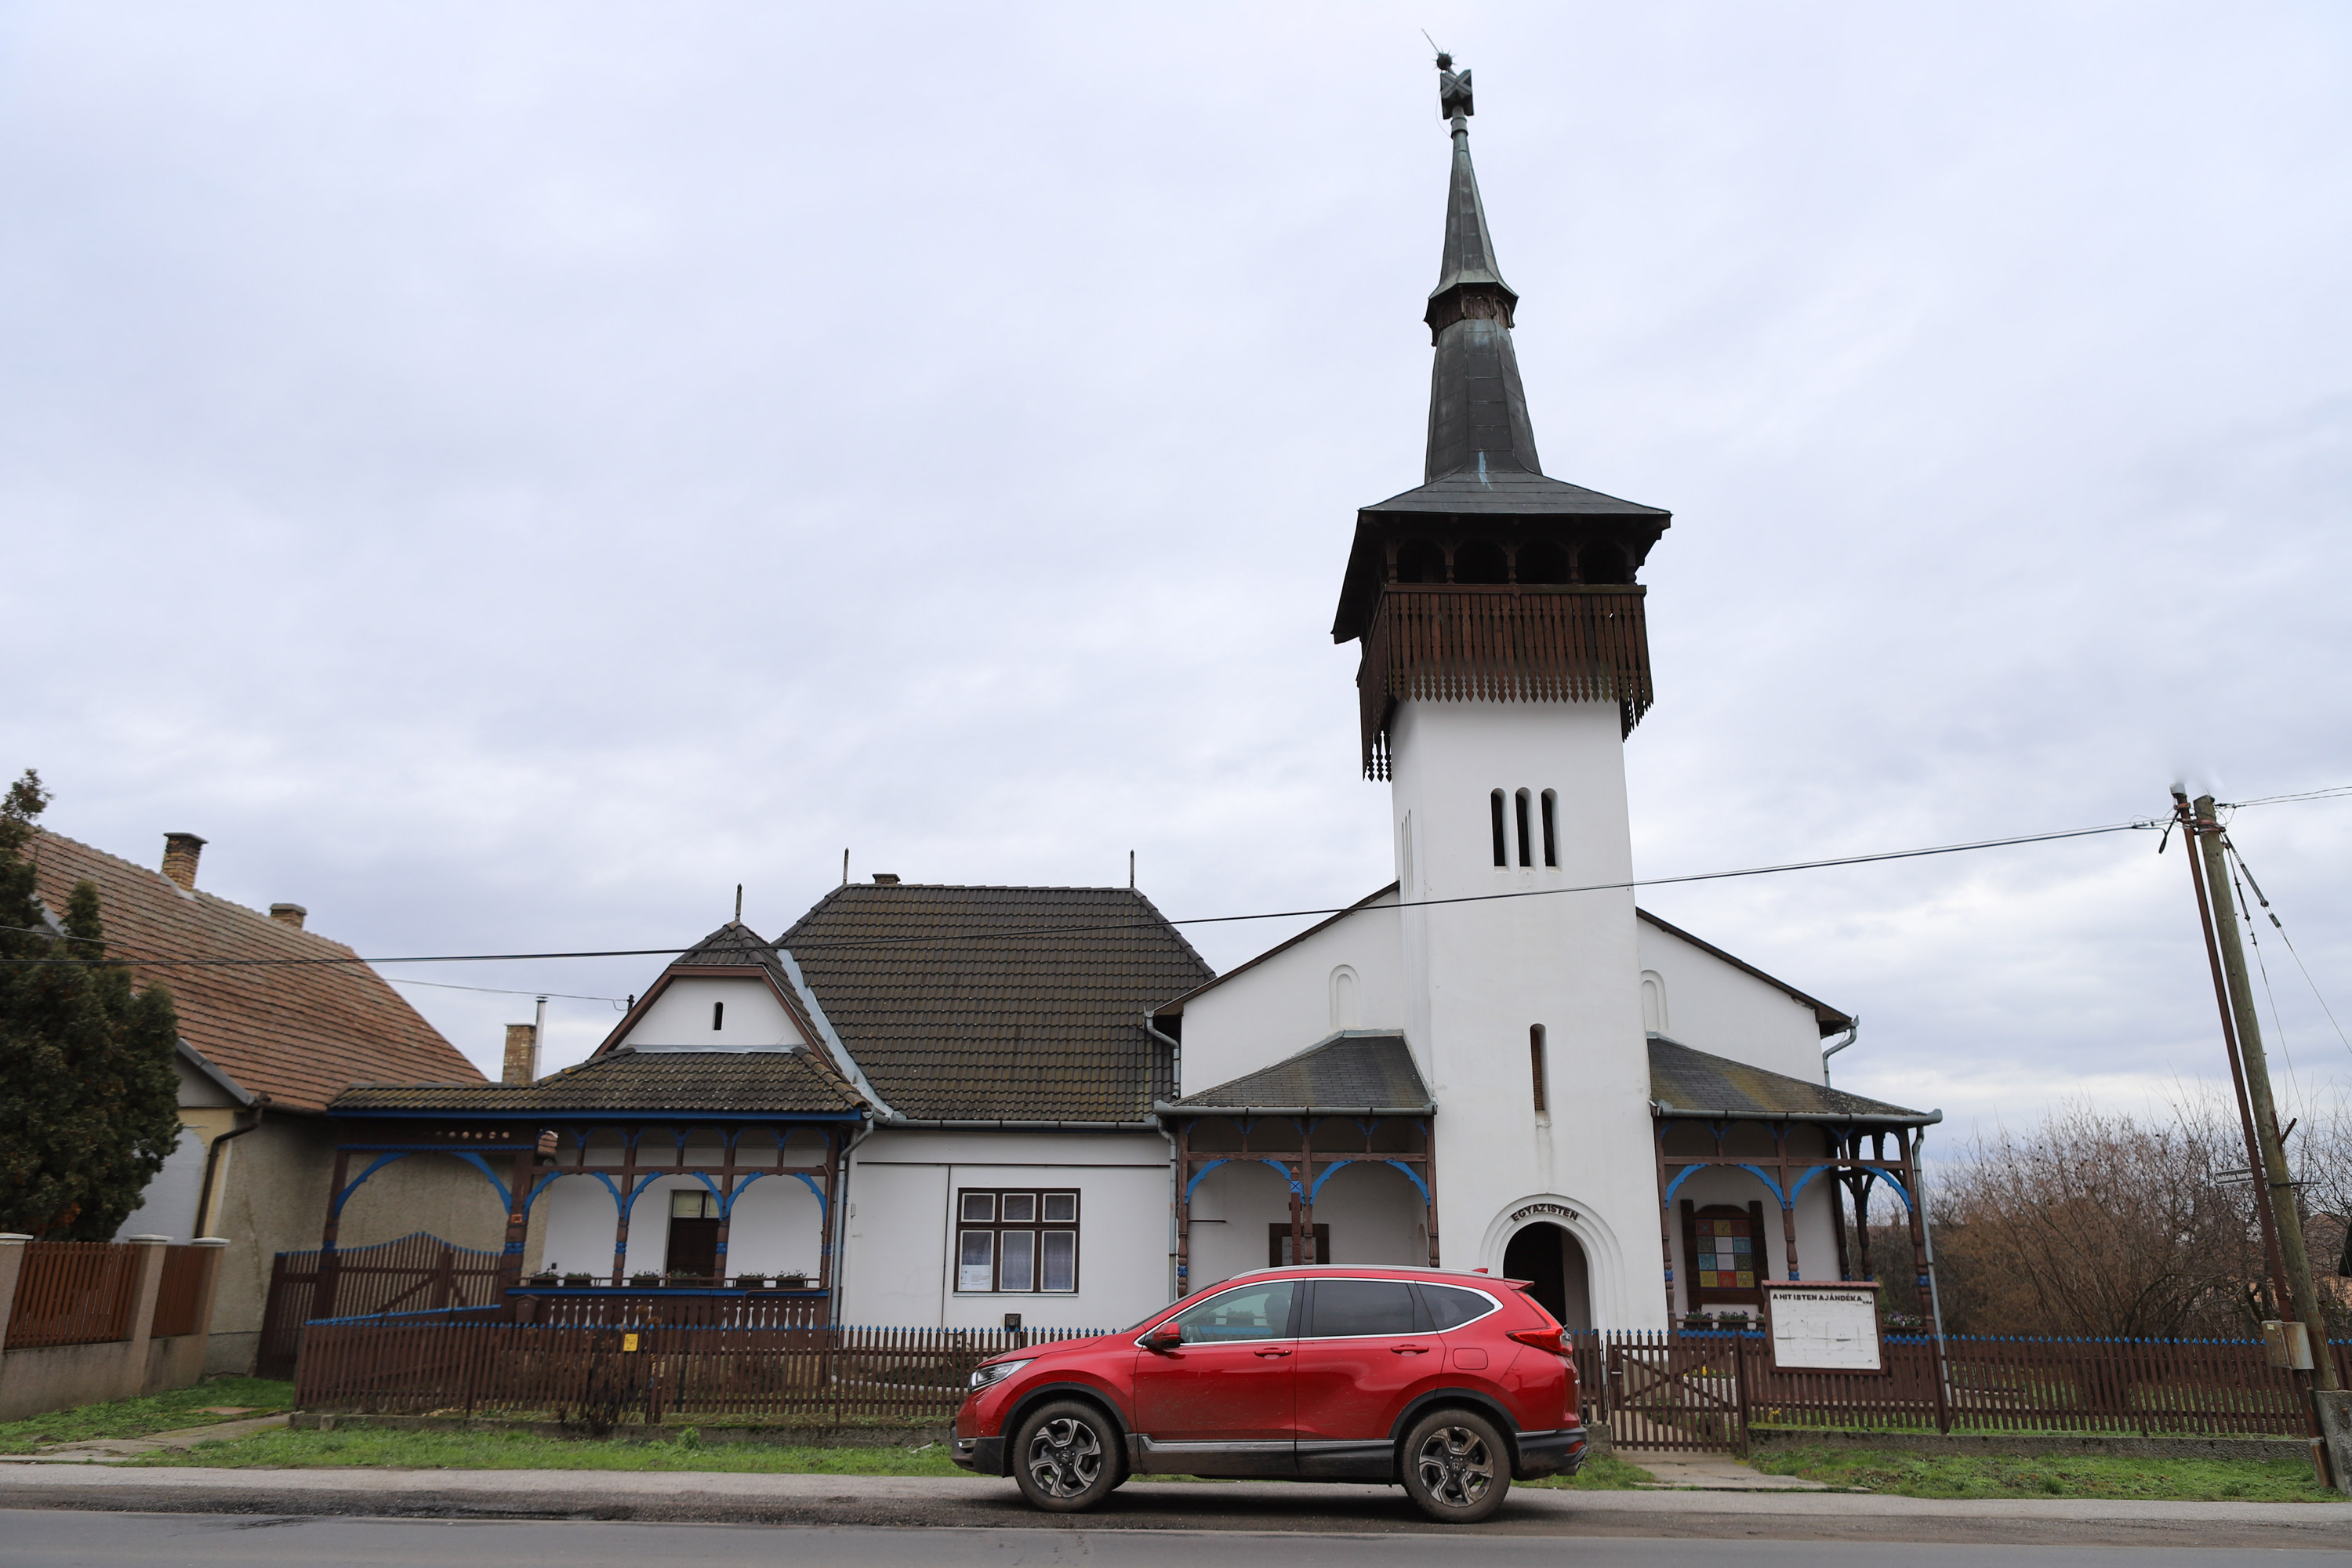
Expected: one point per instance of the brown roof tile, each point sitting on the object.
(297, 1033)
(720, 1082)
(1015, 1004)
(1687, 1082)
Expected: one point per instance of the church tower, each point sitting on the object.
(1504, 663)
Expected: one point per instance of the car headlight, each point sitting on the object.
(994, 1373)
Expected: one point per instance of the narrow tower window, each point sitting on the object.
(1527, 842)
(1536, 1063)
(717, 1012)
(1551, 827)
(1502, 848)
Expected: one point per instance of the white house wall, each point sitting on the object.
(1719, 1008)
(1289, 1001)
(899, 1268)
(680, 1015)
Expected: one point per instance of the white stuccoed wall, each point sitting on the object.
(1284, 1002)
(1475, 977)
(1718, 1007)
(680, 1015)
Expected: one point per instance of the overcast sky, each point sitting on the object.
(505, 475)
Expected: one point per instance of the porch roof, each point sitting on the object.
(1363, 1070)
(1692, 1083)
(759, 1085)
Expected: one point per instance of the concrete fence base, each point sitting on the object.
(37, 1379)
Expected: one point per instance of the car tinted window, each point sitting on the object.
(1249, 1312)
(1348, 1307)
(1450, 1307)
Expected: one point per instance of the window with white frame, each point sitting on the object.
(1016, 1240)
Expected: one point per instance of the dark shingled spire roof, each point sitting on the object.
(1477, 409)
(1480, 468)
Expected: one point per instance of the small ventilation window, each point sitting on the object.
(1527, 845)
(1419, 560)
(1502, 848)
(1551, 827)
(1536, 1065)
(1542, 561)
(718, 1014)
(1481, 561)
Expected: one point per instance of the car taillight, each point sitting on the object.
(1542, 1339)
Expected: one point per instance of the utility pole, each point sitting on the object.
(2274, 1186)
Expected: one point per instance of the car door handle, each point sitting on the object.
(1410, 1350)
(1270, 1354)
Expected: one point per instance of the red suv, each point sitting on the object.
(1450, 1385)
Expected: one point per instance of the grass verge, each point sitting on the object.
(1600, 1473)
(2062, 1475)
(182, 1407)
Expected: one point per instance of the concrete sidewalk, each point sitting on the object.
(1156, 1505)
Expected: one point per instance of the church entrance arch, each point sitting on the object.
(1559, 1276)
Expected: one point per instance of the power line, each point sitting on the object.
(2328, 793)
(2139, 825)
(504, 991)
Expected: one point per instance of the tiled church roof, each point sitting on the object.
(1685, 1082)
(982, 1003)
(298, 1033)
(1354, 1071)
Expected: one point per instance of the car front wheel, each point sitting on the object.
(1065, 1457)
(1455, 1467)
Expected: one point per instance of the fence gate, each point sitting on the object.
(1681, 1393)
(418, 1272)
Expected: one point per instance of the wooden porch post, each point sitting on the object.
(835, 1150)
(1787, 1203)
(1836, 1145)
(1918, 1231)
(322, 1298)
(1665, 1219)
(624, 1204)
(1429, 1179)
(727, 1198)
(519, 1180)
(1184, 1208)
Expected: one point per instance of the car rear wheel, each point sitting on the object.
(1455, 1467)
(1065, 1457)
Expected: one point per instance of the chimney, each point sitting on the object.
(522, 1053)
(180, 852)
(886, 878)
(288, 915)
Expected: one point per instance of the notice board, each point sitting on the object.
(1827, 1327)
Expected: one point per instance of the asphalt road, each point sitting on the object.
(74, 1539)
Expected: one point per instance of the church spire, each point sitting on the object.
(1478, 408)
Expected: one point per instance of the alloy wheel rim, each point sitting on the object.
(1455, 1467)
(1065, 1458)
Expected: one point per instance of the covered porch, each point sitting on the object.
(1732, 1138)
(1327, 1157)
(711, 1172)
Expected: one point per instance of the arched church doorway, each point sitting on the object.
(1552, 1261)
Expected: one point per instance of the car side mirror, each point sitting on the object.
(1167, 1337)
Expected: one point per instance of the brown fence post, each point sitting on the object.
(1739, 1377)
(149, 1281)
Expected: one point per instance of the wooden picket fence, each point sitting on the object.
(417, 1273)
(601, 1361)
(74, 1293)
(1700, 1392)
(603, 1377)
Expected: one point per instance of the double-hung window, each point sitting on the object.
(1016, 1240)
